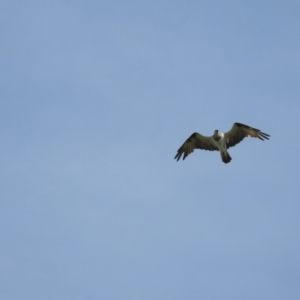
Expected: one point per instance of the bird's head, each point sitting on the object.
(216, 135)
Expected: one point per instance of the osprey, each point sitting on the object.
(219, 141)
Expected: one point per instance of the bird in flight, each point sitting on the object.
(219, 141)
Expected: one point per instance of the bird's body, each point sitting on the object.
(219, 141)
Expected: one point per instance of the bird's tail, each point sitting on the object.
(226, 158)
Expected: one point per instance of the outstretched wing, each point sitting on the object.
(195, 141)
(239, 131)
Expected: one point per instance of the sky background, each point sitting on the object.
(96, 98)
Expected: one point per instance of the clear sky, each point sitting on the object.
(96, 98)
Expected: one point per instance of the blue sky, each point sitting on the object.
(96, 98)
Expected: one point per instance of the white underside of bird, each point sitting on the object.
(221, 145)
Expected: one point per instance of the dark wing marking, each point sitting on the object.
(195, 141)
(239, 131)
